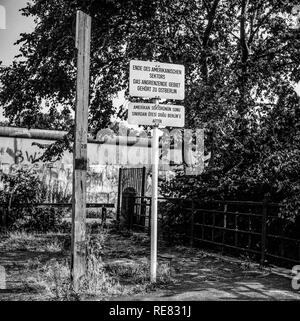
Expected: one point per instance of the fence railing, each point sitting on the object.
(5, 209)
(254, 229)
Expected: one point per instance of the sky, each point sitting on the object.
(12, 23)
(15, 24)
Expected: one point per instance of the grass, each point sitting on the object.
(23, 241)
(49, 273)
(102, 281)
(117, 268)
(137, 272)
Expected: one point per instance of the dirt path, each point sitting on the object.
(18, 275)
(200, 275)
(197, 275)
(21, 255)
(209, 278)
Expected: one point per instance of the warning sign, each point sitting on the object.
(154, 79)
(152, 114)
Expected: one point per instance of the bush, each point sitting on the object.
(174, 222)
(23, 189)
(45, 219)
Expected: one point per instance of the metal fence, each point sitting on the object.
(5, 209)
(254, 229)
(132, 181)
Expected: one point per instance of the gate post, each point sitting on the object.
(224, 226)
(119, 194)
(103, 216)
(149, 216)
(4, 219)
(192, 224)
(264, 231)
(130, 208)
(143, 203)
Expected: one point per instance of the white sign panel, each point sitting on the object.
(156, 80)
(152, 114)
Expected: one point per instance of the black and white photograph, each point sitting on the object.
(149, 153)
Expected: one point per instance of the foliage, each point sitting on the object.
(267, 163)
(45, 219)
(174, 222)
(229, 49)
(21, 187)
(24, 187)
(241, 59)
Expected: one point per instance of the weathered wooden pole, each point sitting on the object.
(78, 248)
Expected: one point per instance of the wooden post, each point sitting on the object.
(192, 224)
(250, 230)
(224, 227)
(1, 218)
(213, 228)
(202, 226)
(119, 194)
(236, 219)
(103, 216)
(143, 182)
(130, 209)
(149, 216)
(264, 231)
(83, 35)
(143, 202)
(4, 219)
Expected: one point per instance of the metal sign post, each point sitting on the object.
(155, 161)
(153, 80)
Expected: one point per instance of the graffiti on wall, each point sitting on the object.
(102, 179)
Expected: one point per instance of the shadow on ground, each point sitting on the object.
(197, 275)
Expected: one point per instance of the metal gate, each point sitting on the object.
(131, 188)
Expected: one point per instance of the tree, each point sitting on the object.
(241, 59)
